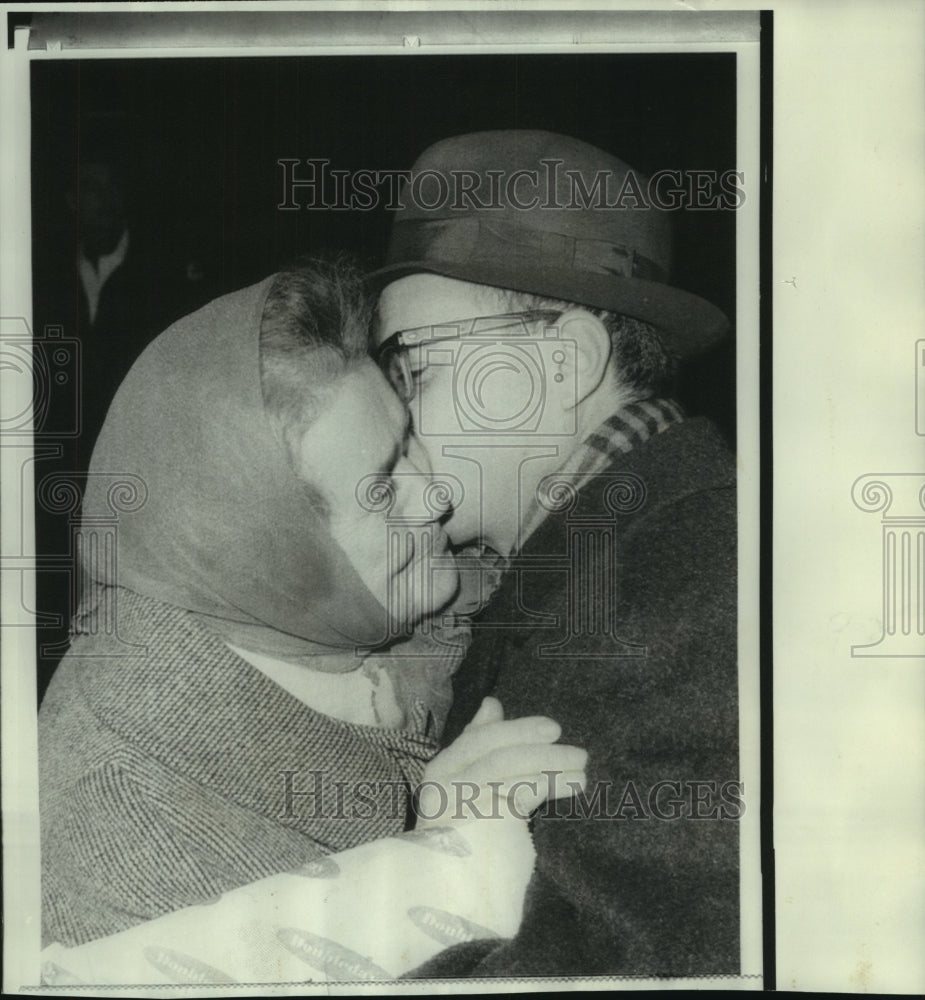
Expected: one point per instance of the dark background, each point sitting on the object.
(198, 141)
(201, 137)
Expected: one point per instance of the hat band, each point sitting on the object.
(471, 240)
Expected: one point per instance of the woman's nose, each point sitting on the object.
(417, 455)
(423, 494)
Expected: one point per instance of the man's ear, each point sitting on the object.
(588, 351)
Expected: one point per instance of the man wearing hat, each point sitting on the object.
(527, 318)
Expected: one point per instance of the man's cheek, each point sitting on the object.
(436, 415)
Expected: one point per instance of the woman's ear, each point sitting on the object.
(587, 350)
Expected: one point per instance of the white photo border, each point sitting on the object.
(20, 806)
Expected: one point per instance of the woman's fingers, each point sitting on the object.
(464, 798)
(489, 711)
(478, 741)
(526, 795)
(499, 767)
(528, 761)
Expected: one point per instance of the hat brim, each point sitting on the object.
(688, 323)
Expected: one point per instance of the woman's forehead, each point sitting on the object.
(362, 422)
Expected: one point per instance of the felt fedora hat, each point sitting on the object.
(546, 214)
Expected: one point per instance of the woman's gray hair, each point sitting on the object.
(314, 329)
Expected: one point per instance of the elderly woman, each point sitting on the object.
(221, 712)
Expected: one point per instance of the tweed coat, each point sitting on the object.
(622, 891)
(170, 771)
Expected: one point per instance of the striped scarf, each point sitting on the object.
(619, 434)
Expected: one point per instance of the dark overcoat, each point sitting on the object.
(648, 685)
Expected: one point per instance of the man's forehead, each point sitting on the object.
(429, 299)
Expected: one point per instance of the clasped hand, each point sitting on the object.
(498, 768)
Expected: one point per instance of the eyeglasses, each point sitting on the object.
(393, 355)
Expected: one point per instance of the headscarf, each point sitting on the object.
(223, 526)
